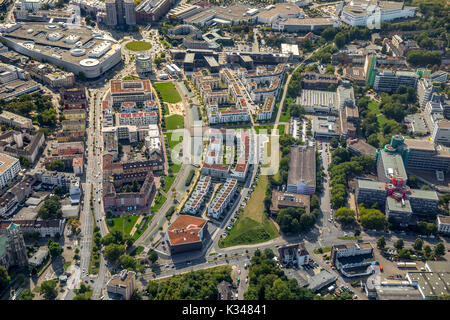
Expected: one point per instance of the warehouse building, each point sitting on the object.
(302, 170)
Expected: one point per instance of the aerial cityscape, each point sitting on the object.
(224, 150)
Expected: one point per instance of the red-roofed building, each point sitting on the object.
(78, 164)
(185, 234)
(137, 91)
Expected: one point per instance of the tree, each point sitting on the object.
(357, 232)
(339, 40)
(4, 278)
(381, 242)
(127, 262)
(57, 165)
(26, 294)
(418, 244)
(404, 253)
(152, 255)
(345, 215)
(24, 162)
(372, 218)
(334, 143)
(423, 58)
(439, 249)
(83, 293)
(54, 248)
(50, 209)
(113, 252)
(427, 250)
(48, 289)
(399, 244)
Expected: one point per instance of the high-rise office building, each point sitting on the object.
(111, 13)
(130, 12)
(120, 12)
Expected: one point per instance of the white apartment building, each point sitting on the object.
(443, 223)
(441, 132)
(137, 118)
(223, 198)
(9, 167)
(197, 197)
(226, 116)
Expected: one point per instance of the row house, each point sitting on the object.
(197, 198)
(223, 198)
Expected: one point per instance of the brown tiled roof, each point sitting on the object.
(185, 229)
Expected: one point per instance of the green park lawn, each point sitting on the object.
(168, 91)
(175, 121)
(124, 223)
(159, 201)
(375, 108)
(172, 142)
(138, 46)
(253, 226)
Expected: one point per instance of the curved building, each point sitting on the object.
(143, 63)
(73, 48)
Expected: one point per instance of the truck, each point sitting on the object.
(406, 264)
(331, 288)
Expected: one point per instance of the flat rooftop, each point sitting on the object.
(393, 164)
(312, 98)
(397, 206)
(60, 40)
(302, 165)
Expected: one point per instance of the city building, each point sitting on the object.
(223, 198)
(197, 198)
(15, 82)
(137, 118)
(318, 102)
(74, 125)
(143, 63)
(74, 98)
(302, 170)
(359, 147)
(432, 284)
(14, 120)
(353, 260)
(325, 127)
(318, 81)
(38, 258)
(295, 254)
(441, 132)
(115, 198)
(304, 24)
(364, 13)
(12, 246)
(443, 223)
(59, 45)
(17, 195)
(122, 284)
(150, 11)
(74, 114)
(45, 228)
(22, 144)
(278, 11)
(9, 168)
(281, 200)
(186, 233)
(120, 12)
(389, 81)
(137, 91)
(402, 204)
(321, 280)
